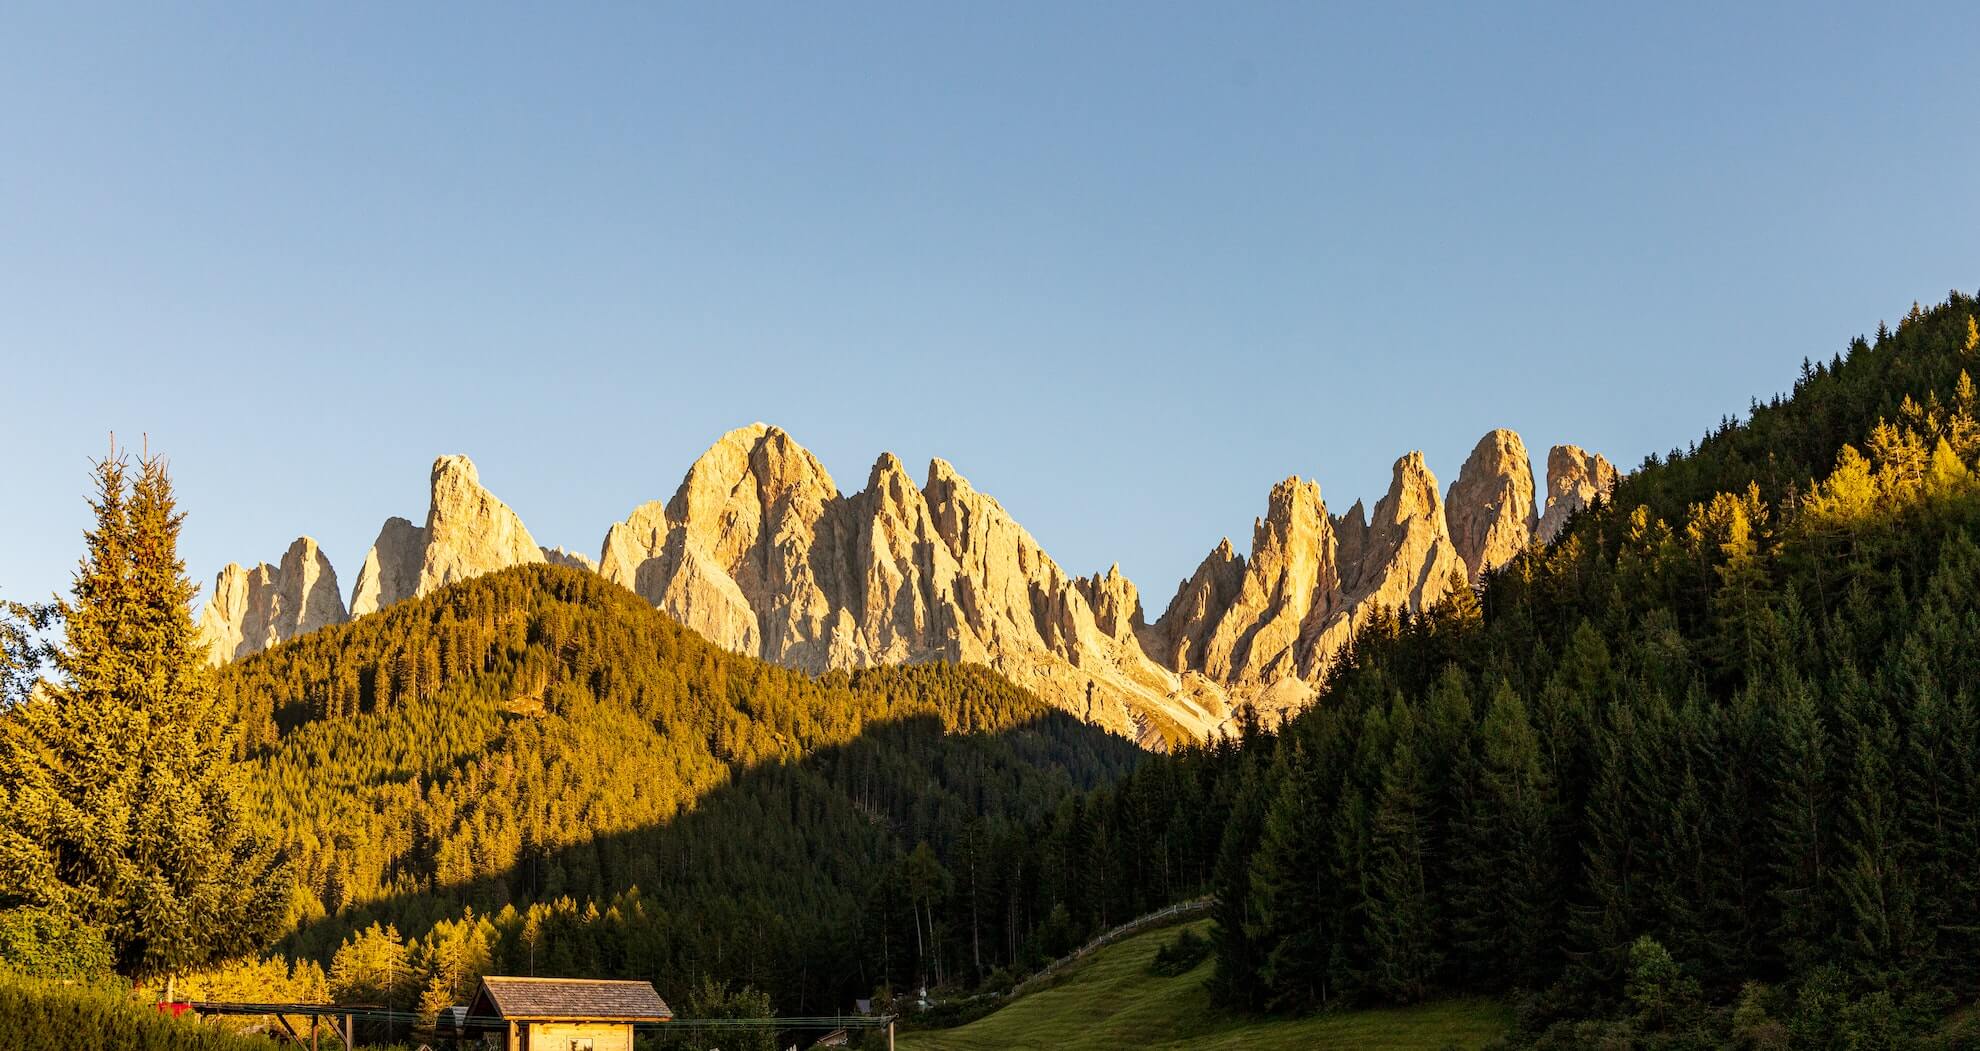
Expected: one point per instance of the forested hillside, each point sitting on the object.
(1717, 748)
(537, 772)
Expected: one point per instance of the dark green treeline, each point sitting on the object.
(1736, 711)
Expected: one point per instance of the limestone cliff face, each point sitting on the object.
(560, 557)
(390, 572)
(1490, 506)
(253, 609)
(760, 551)
(1116, 604)
(1311, 580)
(1179, 638)
(1575, 478)
(468, 532)
(1409, 558)
(1294, 575)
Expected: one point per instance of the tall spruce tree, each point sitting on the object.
(125, 809)
(1402, 921)
(22, 650)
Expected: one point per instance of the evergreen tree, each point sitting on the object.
(1517, 803)
(1796, 768)
(22, 651)
(1402, 922)
(126, 802)
(1240, 956)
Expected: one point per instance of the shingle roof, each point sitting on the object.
(573, 998)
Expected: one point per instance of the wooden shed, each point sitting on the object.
(563, 1014)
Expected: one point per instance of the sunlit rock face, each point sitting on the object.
(1575, 479)
(1490, 507)
(1312, 579)
(253, 609)
(468, 532)
(760, 551)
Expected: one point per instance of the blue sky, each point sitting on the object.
(1125, 265)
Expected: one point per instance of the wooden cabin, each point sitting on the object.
(563, 1014)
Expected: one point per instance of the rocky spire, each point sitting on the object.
(253, 609)
(390, 572)
(1294, 567)
(1490, 507)
(1409, 556)
(758, 550)
(1116, 603)
(1181, 635)
(468, 532)
(1575, 478)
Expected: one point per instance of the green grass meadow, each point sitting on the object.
(1112, 1001)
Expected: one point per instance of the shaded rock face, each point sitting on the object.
(390, 572)
(1575, 479)
(468, 532)
(253, 609)
(1490, 507)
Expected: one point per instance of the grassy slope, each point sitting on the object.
(1111, 1001)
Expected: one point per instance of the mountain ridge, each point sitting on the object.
(759, 550)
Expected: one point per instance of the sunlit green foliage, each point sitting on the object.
(535, 772)
(120, 806)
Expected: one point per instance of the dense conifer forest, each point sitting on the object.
(1704, 772)
(536, 772)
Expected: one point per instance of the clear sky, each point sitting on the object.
(1125, 264)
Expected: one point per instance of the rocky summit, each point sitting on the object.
(253, 609)
(759, 550)
(468, 532)
(1575, 479)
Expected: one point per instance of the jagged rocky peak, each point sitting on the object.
(1575, 479)
(1115, 602)
(1311, 579)
(557, 556)
(1409, 557)
(468, 532)
(758, 550)
(1490, 508)
(1179, 637)
(1294, 567)
(731, 553)
(253, 609)
(390, 572)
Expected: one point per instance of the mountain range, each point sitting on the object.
(760, 551)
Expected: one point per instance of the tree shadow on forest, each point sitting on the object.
(776, 878)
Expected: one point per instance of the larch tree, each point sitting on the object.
(125, 811)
